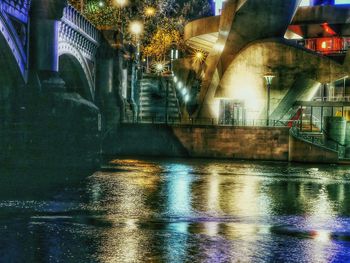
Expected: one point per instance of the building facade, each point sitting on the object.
(302, 44)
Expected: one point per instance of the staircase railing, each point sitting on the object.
(326, 144)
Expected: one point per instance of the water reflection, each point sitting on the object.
(178, 189)
(182, 211)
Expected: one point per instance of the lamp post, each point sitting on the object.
(136, 29)
(268, 78)
(149, 12)
(120, 5)
(82, 6)
(174, 54)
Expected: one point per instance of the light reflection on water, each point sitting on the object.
(182, 211)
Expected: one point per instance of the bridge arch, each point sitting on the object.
(11, 77)
(75, 71)
(14, 45)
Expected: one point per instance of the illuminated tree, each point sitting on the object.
(162, 42)
(165, 24)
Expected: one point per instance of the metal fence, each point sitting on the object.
(209, 121)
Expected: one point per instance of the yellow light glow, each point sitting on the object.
(246, 87)
(150, 11)
(322, 236)
(121, 3)
(136, 28)
(159, 66)
(198, 56)
(218, 47)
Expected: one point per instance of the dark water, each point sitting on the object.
(177, 211)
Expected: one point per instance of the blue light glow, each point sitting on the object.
(342, 2)
(324, 2)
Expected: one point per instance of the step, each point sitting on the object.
(162, 93)
(150, 117)
(161, 105)
(150, 98)
(160, 110)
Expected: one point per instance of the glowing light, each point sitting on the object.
(269, 78)
(101, 4)
(218, 47)
(136, 28)
(321, 235)
(121, 3)
(179, 85)
(184, 91)
(251, 96)
(150, 11)
(159, 66)
(198, 56)
(175, 79)
(187, 98)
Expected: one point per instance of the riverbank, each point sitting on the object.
(222, 142)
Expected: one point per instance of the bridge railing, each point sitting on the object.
(76, 20)
(161, 119)
(16, 8)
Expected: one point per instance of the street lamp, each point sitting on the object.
(268, 78)
(136, 28)
(174, 54)
(150, 11)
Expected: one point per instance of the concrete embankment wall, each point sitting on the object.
(143, 140)
(258, 143)
(303, 151)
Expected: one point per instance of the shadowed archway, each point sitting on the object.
(75, 71)
(11, 79)
(74, 76)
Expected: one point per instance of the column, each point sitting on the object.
(45, 18)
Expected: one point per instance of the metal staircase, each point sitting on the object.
(316, 136)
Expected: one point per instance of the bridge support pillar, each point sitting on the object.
(45, 20)
(64, 127)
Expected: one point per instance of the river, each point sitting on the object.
(175, 210)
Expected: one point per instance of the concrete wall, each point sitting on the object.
(256, 143)
(302, 151)
(202, 141)
(143, 140)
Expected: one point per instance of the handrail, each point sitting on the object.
(333, 98)
(160, 119)
(334, 146)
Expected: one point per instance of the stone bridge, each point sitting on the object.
(48, 76)
(74, 42)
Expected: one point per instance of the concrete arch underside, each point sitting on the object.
(75, 71)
